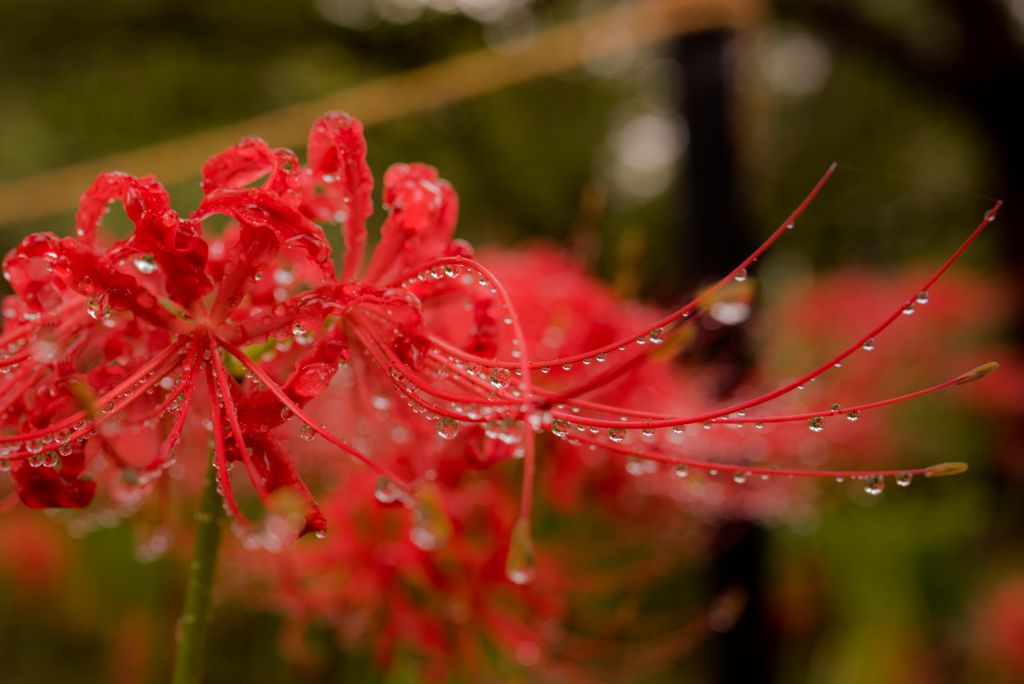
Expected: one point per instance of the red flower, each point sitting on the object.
(106, 347)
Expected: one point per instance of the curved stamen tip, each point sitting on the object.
(944, 469)
(977, 373)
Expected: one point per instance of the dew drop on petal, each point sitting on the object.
(98, 306)
(145, 264)
(521, 563)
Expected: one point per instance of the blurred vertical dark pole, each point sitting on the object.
(715, 240)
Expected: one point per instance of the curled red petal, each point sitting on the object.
(29, 270)
(422, 212)
(276, 470)
(339, 182)
(250, 160)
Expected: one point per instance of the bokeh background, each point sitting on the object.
(658, 156)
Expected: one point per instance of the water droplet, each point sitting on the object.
(739, 477)
(98, 306)
(682, 470)
(908, 309)
(545, 369)
(307, 433)
(386, 491)
(904, 479)
(616, 434)
(648, 431)
(447, 428)
(835, 407)
(741, 275)
(500, 378)
(657, 336)
(707, 425)
(679, 429)
(257, 276)
(432, 526)
(452, 270)
(874, 484)
(145, 263)
(922, 297)
(560, 427)
(521, 563)
(602, 357)
(869, 345)
(286, 413)
(853, 415)
(817, 424)
(840, 479)
(587, 361)
(321, 534)
(566, 366)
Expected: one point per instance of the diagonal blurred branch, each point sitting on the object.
(391, 97)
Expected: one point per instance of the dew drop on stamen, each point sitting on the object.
(874, 484)
(904, 479)
(679, 429)
(587, 361)
(648, 431)
(739, 477)
(840, 479)
(447, 428)
(452, 270)
(922, 297)
(386, 492)
(853, 415)
(641, 340)
(560, 427)
(656, 336)
(545, 369)
(741, 275)
(307, 433)
(707, 426)
(908, 309)
(521, 564)
(682, 470)
(869, 345)
(759, 425)
(145, 264)
(566, 366)
(500, 378)
(616, 434)
(817, 424)
(835, 407)
(602, 357)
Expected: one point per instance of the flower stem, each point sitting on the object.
(195, 618)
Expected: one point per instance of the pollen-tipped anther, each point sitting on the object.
(977, 373)
(944, 469)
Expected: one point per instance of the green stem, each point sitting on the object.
(195, 618)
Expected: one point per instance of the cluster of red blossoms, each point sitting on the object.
(105, 347)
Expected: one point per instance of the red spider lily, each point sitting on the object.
(95, 336)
